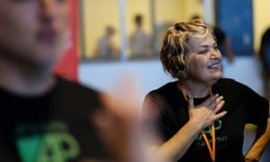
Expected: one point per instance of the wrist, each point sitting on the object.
(195, 126)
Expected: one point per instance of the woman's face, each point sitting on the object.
(203, 61)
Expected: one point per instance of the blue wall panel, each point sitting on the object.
(235, 17)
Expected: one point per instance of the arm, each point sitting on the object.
(117, 123)
(200, 117)
(262, 139)
(173, 149)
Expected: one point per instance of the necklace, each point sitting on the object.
(211, 149)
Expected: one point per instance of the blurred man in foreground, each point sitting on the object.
(45, 117)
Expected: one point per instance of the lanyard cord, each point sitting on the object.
(212, 150)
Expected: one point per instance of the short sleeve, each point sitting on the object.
(257, 106)
(152, 116)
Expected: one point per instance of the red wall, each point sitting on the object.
(68, 66)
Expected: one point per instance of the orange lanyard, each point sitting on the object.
(212, 150)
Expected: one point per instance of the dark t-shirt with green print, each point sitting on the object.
(242, 104)
(55, 126)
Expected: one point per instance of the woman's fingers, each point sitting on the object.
(190, 101)
(215, 115)
(209, 108)
(219, 115)
(210, 100)
(218, 106)
(215, 103)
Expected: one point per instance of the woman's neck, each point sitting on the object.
(194, 89)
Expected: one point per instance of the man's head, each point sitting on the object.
(110, 31)
(139, 20)
(33, 32)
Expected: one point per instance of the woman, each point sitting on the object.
(201, 117)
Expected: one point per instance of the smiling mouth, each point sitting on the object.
(215, 66)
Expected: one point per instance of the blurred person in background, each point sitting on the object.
(264, 53)
(139, 41)
(201, 116)
(223, 41)
(106, 45)
(46, 117)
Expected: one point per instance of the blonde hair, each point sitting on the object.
(176, 45)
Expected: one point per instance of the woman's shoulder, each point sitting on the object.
(227, 82)
(165, 89)
(230, 84)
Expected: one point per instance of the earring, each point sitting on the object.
(182, 74)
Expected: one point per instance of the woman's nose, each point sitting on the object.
(215, 54)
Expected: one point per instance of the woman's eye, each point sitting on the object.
(203, 51)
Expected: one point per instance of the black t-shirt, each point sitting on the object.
(54, 127)
(242, 104)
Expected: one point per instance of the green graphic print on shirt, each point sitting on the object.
(218, 125)
(46, 142)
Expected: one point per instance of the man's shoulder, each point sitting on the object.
(76, 89)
